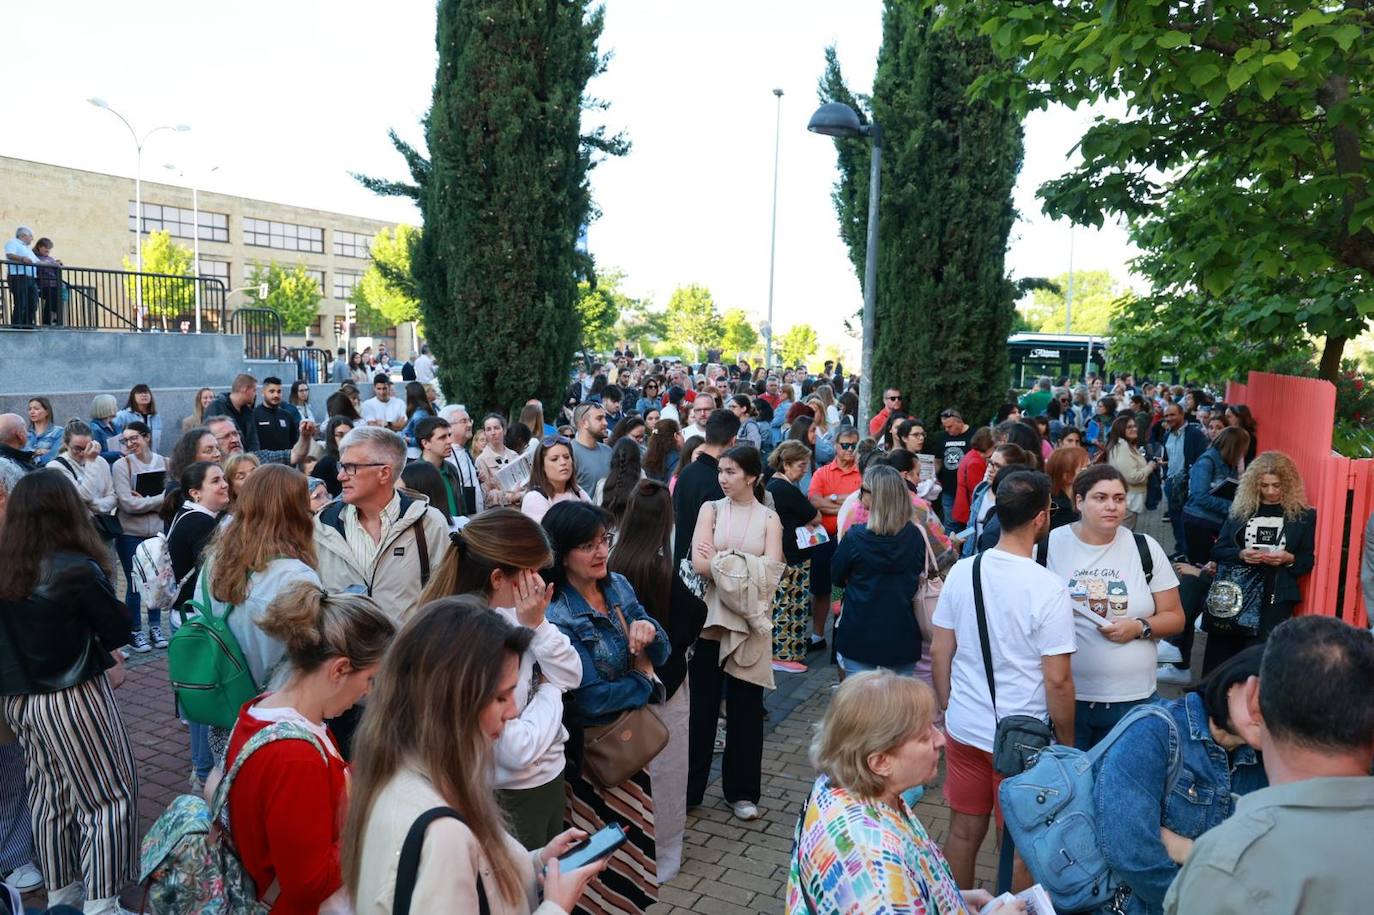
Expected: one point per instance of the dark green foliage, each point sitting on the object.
(945, 303)
(503, 195)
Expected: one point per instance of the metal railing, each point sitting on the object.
(97, 299)
(312, 363)
(261, 329)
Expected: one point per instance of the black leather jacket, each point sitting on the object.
(62, 633)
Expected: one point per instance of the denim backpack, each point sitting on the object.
(187, 864)
(1050, 815)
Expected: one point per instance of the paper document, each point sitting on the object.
(1036, 899)
(515, 475)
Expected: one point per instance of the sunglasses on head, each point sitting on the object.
(550, 440)
(948, 414)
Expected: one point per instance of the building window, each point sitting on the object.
(263, 233)
(352, 244)
(314, 273)
(344, 281)
(178, 222)
(218, 270)
(318, 277)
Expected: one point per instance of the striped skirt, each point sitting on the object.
(629, 884)
(83, 786)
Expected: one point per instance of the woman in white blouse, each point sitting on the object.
(80, 457)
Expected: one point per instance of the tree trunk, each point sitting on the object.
(1331, 358)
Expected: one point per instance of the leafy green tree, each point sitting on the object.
(1241, 166)
(798, 345)
(504, 192)
(599, 310)
(737, 334)
(1097, 298)
(386, 294)
(163, 300)
(291, 292)
(944, 301)
(694, 324)
(642, 326)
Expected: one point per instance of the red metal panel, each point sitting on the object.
(1362, 482)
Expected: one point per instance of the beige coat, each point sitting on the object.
(739, 613)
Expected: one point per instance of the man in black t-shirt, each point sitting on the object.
(950, 447)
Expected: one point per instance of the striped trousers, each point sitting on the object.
(83, 786)
(16, 832)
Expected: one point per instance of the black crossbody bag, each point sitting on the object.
(1019, 738)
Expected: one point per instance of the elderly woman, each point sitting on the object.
(858, 846)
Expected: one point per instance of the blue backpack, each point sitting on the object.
(1050, 814)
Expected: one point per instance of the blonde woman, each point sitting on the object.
(197, 417)
(1270, 528)
(826, 395)
(237, 470)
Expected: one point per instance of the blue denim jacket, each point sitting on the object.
(1206, 472)
(50, 441)
(609, 683)
(1130, 802)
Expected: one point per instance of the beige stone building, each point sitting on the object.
(90, 218)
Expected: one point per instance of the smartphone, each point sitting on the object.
(593, 848)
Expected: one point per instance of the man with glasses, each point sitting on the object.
(830, 485)
(892, 403)
(950, 447)
(377, 540)
(459, 457)
(701, 409)
(226, 433)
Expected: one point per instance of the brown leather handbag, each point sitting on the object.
(612, 753)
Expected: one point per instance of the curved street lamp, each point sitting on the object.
(835, 119)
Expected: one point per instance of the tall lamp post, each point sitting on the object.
(835, 119)
(195, 231)
(773, 237)
(138, 191)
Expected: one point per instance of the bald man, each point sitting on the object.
(14, 436)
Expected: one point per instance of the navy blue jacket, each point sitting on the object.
(879, 574)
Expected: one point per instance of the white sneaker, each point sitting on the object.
(107, 906)
(156, 637)
(72, 894)
(1169, 653)
(1168, 673)
(745, 810)
(139, 643)
(25, 878)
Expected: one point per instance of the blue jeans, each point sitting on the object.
(947, 509)
(1171, 486)
(851, 667)
(1093, 720)
(125, 545)
(202, 757)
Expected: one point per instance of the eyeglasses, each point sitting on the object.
(591, 546)
(550, 441)
(848, 446)
(132, 439)
(351, 468)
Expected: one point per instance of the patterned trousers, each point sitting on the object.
(16, 832)
(83, 786)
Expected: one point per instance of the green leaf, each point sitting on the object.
(1031, 40)
(1288, 58)
(1215, 92)
(1268, 84)
(1346, 35)
(1171, 40)
(1238, 75)
(1310, 18)
(1203, 74)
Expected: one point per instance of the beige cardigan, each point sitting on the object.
(1136, 470)
(449, 861)
(739, 613)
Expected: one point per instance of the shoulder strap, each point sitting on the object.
(282, 730)
(1130, 718)
(932, 568)
(408, 868)
(1147, 561)
(332, 515)
(422, 545)
(67, 464)
(983, 640)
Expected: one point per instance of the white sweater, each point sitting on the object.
(530, 750)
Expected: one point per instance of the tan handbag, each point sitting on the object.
(612, 753)
(928, 591)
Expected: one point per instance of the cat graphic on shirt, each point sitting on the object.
(1103, 591)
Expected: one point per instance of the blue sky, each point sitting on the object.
(288, 97)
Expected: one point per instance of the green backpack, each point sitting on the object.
(206, 665)
(188, 866)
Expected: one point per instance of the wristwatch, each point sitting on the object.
(1145, 630)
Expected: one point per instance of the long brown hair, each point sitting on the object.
(662, 442)
(272, 520)
(423, 712)
(539, 478)
(44, 515)
(498, 538)
(643, 550)
(1231, 443)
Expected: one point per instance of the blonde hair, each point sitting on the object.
(889, 501)
(235, 462)
(820, 420)
(871, 712)
(1247, 500)
(788, 452)
(317, 627)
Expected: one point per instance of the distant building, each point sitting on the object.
(90, 218)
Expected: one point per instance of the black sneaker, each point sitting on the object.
(139, 643)
(815, 644)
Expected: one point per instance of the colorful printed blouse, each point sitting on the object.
(860, 857)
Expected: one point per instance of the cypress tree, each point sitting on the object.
(945, 303)
(503, 195)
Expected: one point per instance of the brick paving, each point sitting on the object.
(729, 867)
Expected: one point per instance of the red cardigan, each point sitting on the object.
(971, 471)
(286, 811)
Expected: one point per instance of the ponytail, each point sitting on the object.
(316, 627)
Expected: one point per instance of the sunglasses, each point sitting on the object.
(550, 441)
(848, 446)
(893, 397)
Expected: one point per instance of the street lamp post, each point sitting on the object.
(773, 237)
(835, 119)
(195, 230)
(138, 192)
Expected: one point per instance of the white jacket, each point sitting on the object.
(260, 650)
(93, 482)
(395, 579)
(529, 752)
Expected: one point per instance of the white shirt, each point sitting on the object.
(530, 750)
(393, 411)
(15, 246)
(691, 430)
(1029, 618)
(1108, 580)
(424, 368)
(670, 412)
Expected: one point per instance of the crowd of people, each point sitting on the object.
(497, 635)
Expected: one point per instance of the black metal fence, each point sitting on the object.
(312, 363)
(261, 329)
(96, 299)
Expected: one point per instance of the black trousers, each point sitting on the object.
(741, 766)
(1201, 537)
(1223, 646)
(24, 293)
(1192, 593)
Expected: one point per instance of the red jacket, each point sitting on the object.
(971, 471)
(286, 812)
(875, 425)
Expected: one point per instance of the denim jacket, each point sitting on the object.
(1130, 803)
(1206, 472)
(609, 683)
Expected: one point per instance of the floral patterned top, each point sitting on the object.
(862, 857)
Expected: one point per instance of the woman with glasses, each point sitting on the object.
(1123, 452)
(80, 458)
(300, 400)
(619, 644)
(139, 518)
(327, 467)
(553, 477)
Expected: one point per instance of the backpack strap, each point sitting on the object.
(1147, 560)
(408, 867)
(281, 730)
(1141, 711)
(983, 640)
(422, 544)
